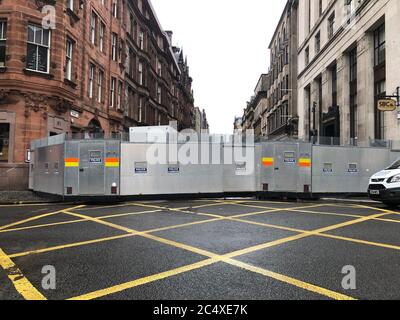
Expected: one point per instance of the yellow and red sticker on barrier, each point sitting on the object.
(71, 162)
(305, 162)
(112, 162)
(268, 162)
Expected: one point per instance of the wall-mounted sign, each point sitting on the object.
(74, 114)
(240, 167)
(353, 168)
(173, 168)
(327, 168)
(96, 157)
(140, 167)
(289, 158)
(386, 105)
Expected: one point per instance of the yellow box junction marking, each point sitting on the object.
(214, 257)
(20, 282)
(37, 217)
(240, 252)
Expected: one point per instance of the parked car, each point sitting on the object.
(384, 186)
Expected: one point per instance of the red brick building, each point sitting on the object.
(105, 66)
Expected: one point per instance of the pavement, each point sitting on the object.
(218, 249)
(18, 197)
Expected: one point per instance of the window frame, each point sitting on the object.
(100, 86)
(68, 59)
(3, 41)
(37, 45)
(92, 72)
(113, 83)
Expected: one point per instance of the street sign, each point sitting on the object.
(386, 105)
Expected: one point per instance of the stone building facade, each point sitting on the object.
(281, 116)
(201, 122)
(348, 59)
(254, 114)
(272, 111)
(93, 66)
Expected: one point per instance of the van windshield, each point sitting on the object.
(395, 165)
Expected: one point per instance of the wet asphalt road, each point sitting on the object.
(200, 249)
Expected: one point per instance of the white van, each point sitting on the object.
(384, 186)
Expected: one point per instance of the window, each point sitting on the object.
(380, 90)
(320, 8)
(141, 40)
(3, 38)
(112, 92)
(101, 36)
(114, 42)
(132, 25)
(115, 8)
(353, 93)
(307, 56)
(159, 68)
(380, 45)
(68, 59)
(318, 43)
(93, 25)
(119, 99)
(159, 97)
(70, 5)
(100, 80)
(4, 141)
(141, 80)
(334, 85)
(38, 49)
(91, 80)
(140, 109)
(331, 25)
(350, 7)
(131, 63)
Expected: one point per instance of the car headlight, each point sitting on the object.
(395, 179)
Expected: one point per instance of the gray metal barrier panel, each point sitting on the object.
(48, 169)
(346, 169)
(286, 167)
(92, 167)
(141, 177)
(240, 174)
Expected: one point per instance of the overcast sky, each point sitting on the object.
(226, 42)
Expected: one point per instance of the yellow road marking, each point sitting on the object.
(369, 243)
(145, 280)
(37, 217)
(289, 280)
(20, 282)
(305, 233)
(77, 244)
(34, 204)
(323, 235)
(215, 257)
(77, 221)
(67, 246)
(111, 206)
(42, 226)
